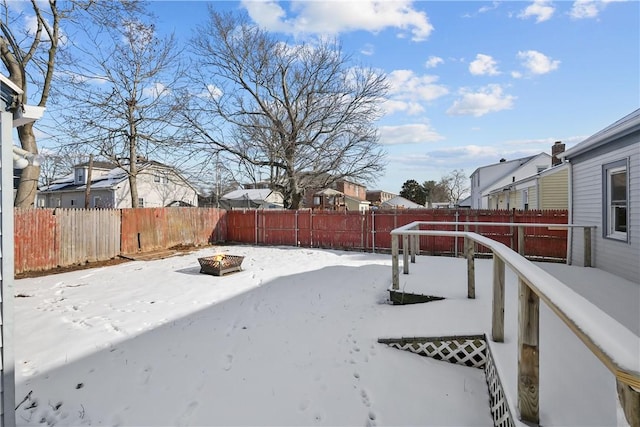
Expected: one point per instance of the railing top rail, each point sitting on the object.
(615, 345)
(412, 225)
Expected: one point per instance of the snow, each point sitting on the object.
(290, 340)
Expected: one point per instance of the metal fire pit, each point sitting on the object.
(218, 265)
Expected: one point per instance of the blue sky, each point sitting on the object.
(471, 81)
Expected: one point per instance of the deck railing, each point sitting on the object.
(616, 346)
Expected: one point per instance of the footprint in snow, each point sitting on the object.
(228, 362)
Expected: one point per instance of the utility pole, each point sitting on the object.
(87, 190)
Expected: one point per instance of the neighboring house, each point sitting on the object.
(377, 197)
(261, 198)
(342, 196)
(465, 203)
(158, 185)
(484, 177)
(400, 202)
(604, 189)
(548, 189)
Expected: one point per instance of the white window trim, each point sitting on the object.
(608, 214)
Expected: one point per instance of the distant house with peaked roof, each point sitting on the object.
(252, 198)
(487, 179)
(158, 185)
(400, 202)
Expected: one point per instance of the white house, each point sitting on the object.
(483, 177)
(158, 185)
(400, 202)
(258, 198)
(487, 179)
(604, 192)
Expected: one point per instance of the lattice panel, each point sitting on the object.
(462, 351)
(499, 405)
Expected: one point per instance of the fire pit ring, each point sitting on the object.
(220, 264)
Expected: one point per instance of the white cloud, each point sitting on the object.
(408, 134)
(367, 49)
(542, 10)
(212, 91)
(156, 90)
(392, 106)
(320, 17)
(489, 99)
(586, 9)
(537, 63)
(516, 74)
(483, 65)
(433, 62)
(405, 84)
(485, 9)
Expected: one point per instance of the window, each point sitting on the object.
(73, 202)
(80, 176)
(616, 200)
(97, 202)
(141, 202)
(156, 178)
(525, 199)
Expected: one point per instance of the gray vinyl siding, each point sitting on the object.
(617, 257)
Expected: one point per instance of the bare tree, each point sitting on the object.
(456, 184)
(302, 114)
(31, 55)
(119, 98)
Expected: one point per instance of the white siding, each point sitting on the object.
(616, 257)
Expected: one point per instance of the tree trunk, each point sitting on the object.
(28, 187)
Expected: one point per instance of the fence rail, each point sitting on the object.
(50, 238)
(370, 231)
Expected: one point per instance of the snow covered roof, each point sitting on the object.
(258, 194)
(401, 202)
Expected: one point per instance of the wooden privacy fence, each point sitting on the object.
(150, 229)
(49, 238)
(370, 231)
(611, 342)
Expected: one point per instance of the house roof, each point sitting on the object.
(400, 201)
(328, 192)
(258, 194)
(109, 180)
(521, 161)
(488, 189)
(626, 125)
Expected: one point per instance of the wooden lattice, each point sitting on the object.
(468, 351)
(499, 406)
(464, 350)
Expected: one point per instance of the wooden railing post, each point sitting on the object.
(587, 246)
(405, 254)
(528, 354)
(395, 279)
(413, 249)
(630, 402)
(521, 240)
(497, 320)
(471, 268)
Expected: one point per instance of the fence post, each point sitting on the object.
(405, 254)
(395, 277)
(471, 268)
(373, 231)
(528, 354)
(521, 240)
(413, 248)
(497, 322)
(587, 246)
(630, 403)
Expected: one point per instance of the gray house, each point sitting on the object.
(605, 192)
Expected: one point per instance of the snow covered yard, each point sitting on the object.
(290, 340)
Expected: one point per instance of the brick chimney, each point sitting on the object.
(556, 148)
